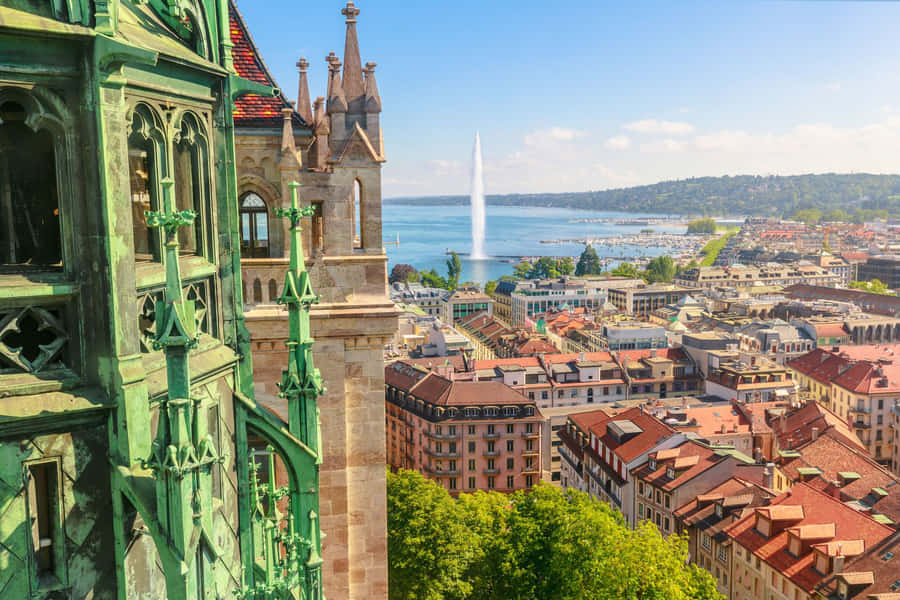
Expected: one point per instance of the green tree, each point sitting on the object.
(566, 266)
(660, 269)
(588, 262)
(546, 544)
(454, 270)
(403, 272)
(490, 286)
(429, 548)
(522, 270)
(432, 278)
(702, 226)
(626, 269)
(836, 215)
(875, 286)
(810, 216)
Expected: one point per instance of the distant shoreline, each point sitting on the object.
(774, 196)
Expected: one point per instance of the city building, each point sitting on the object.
(672, 477)
(585, 378)
(709, 348)
(642, 299)
(750, 378)
(465, 435)
(462, 303)
(845, 472)
(775, 340)
(502, 297)
(599, 451)
(705, 518)
(885, 268)
(333, 148)
(789, 547)
(719, 423)
(871, 575)
(129, 418)
(739, 276)
(837, 266)
(826, 331)
(656, 374)
(413, 293)
(633, 335)
(871, 303)
(533, 297)
(443, 340)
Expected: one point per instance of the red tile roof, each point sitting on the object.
(819, 365)
(796, 427)
(817, 508)
(868, 378)
(252, 110)
(524, 361)
(652, 431)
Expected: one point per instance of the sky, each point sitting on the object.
(591, 95)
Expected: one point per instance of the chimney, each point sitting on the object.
(769, 476)
(838, 562)
(815, 433)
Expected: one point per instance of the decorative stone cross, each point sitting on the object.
(350, 12)
(303, 64)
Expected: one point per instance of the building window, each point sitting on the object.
(146, 168)
(529, 480)
(357, 215)
(453, 483)
(490, 483)
(510, 464)
(510, 411)
(189, 158)
(510, 428)
(722, 554)
(471, 446)
(491, 446)
(705, 541)
(471, 464)
(471, 483)
(490, 429)
(254, 227)
(529, 428)
(510, 445)
(45, 516)
(510, 482)
(471, 429)
(29, 203)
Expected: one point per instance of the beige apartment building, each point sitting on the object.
(738, 276)
(750, 379)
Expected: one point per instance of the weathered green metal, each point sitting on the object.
(151, 442)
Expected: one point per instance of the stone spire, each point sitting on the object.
(373, 100)
(353, 77)
(288, 148)
(337, 101)
(303, 106)
(318, 152)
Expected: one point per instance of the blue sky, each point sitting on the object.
(572, 96)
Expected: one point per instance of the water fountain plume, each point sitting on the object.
(477, 201)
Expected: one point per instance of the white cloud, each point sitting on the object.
(654, 126)
(441, 167)
(619, 142)
(834, 86)
(554, 134)
(666, 145)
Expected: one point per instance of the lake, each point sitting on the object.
(427, 232)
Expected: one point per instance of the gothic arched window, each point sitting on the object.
(189, 157)
(146, 168)
(29, 205)
(357, 216)
(254, 226)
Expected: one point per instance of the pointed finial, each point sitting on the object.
(350, 11)
(303, 106)
(373, 100)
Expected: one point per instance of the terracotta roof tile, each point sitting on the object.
(252, 110)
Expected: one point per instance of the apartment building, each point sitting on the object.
(643, 299)
(787, 549)
(599, 450)
(705, 518)
(466, 435)
(836, 266)
(538, 296)
(750, 379)
(672, 477)
(659, 373)
(775, 340)
(873, 575)
(584, 378)
(738, 276)
(462, 303)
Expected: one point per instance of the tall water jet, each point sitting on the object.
(477, 202)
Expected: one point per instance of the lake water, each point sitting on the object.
(427, 232)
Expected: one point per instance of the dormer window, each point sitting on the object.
(652, 464)
(471, 411)
(719, 510)
(670, 472)
(510, 411)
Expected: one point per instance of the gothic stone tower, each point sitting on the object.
(130, 439)
(333, 147)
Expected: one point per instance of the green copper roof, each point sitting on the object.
(809, 471)
(849, 475)
(789, 454)
(883, 519)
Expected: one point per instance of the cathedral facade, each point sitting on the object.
(333, 146)
(136, 461)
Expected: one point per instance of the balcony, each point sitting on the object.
(862, 410)
(531, 435)
(437, 454)
(491, 453)
(436, 473)
(861, 425)
(533, 469)
(442, 436)
(532, 452)
(492, 471)
(491, 436)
